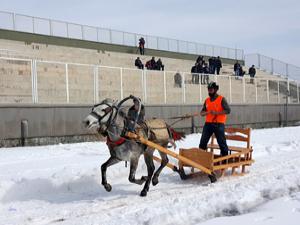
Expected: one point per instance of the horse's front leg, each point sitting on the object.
(109, 162)
(148, 155)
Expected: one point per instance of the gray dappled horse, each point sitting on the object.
(109, 121)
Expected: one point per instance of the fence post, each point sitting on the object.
(165, 88)
(121, 82)
(183, 87)
(255, 81)
(51, 28)
(298, 93)
(82, 32)
(272, 66)
(110, 36)
(67, 82)
(200, 90)
(67, 30)
(177, 45)
(230, 94)
(244, 90)
(32, 81)
(268, 92)
(258, 60)
(35, 83)
(96, 87)
(14, 21)
(145, 85)
(33, 25)
(278, 91)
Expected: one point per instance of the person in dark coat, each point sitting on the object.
(133, 112)
(153, 64)
(159, 65)
(211, 65)
(252, 72)
(138, 63)
(218, 64)
(237, 69)
(195, 75)
(205, 74)
(178, 80)
(142, 46)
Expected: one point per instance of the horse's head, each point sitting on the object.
(101, 115)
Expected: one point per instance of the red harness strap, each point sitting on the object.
(118, 142)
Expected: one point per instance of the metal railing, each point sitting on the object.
(273, 66)
(51, 82)
(37, 25)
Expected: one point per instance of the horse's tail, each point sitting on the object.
(176, 135)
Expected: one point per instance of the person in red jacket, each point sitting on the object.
(215, 109)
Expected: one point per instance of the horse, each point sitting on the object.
(109, 121)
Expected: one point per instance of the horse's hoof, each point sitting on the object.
(143, 193)
(212, 178)
(155, 181)
(107, 187)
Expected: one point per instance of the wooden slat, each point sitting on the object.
(245, 131)
(226, 166)
(231, 156)
(232, 148)
(199, 156)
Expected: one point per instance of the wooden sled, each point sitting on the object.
(210, 161)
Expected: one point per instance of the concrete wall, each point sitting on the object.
(60, 123)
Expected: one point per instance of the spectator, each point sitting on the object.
(199, 59)
(195, 75)
(159, 65)
(252, 72)
(211, 65)
(218, 64)
(241, 72)
(148, 65)
(205, 74)
(153, 63)
(142, 46)
(237, 69)
(138, 63)
(178, 80)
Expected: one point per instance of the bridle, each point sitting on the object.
(108, 110)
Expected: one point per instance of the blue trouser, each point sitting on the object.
(219, 130)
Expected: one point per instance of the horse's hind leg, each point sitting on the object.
(133, 166)
(109, 162)
(164, 162)
(148, 155)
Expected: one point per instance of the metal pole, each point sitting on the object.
(177, 45)
(14, 21)
(183, 87)
(121, 82)
(258, 59)
(51, 28)
(165, 88)
(255, 81)
(110, 36)
(68, 30)
(298, 92)
(268, 92)
(200, 90)
(35, 81)
(278, 91)
(145, 85)
(96, 88)
(143, 89)
(244, 90)
(286, 103)
(67, 82)
(32, 83)
(230, 94)
(272, 66)
(97, 34)
(33, 25)
(82, 32)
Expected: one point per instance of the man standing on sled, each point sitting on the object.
(215, 109)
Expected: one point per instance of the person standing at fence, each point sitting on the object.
(237, 69)
(218, 63)
(215, 109)
(142, 46)
(252, 72)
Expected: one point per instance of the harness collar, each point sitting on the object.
(112, 143)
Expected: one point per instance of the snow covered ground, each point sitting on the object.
(60, 184)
